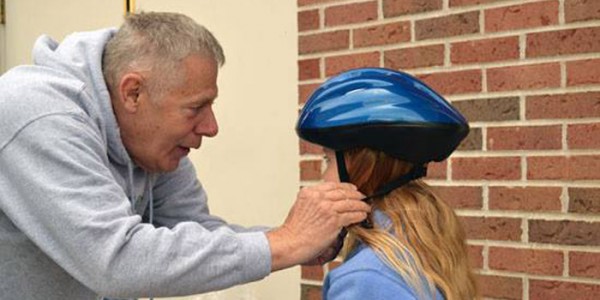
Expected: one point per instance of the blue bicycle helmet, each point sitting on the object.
(385, 110)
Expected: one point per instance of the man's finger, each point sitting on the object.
(350, 218)
(327, 186)
(351, 206)
(340, 194)
(349, 186)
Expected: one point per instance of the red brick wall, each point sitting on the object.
(526, 73)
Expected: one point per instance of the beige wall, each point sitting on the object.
(2, 50)
(2, 45)
(250, 169)
(28, 19)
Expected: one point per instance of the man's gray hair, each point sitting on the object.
(157, 42)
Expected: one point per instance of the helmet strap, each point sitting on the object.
(416, 172)
(341, 166)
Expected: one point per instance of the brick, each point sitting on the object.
(490, 109)
(530, 15)
(305, 90)
(525, 138)
(446, 26)
(583, 136)
(581, 167)
(461, 197)
(539, 262)
(558, 290)
(310, 2)
(492, 228)
(455, 82)
(308, 20)
(437, 170)
(501, 287)
(581, 10)
(562, 42)
(392, 33)
(475, 256)
(337, 64)
(486, 168)
(577, 233)
(310, 148)
(393, 8)
(322, 42)
(532, 199)
(524, 77)
(488, 50)
(584, 200)
(547, 167)
(473, 141)
(416, 57)
(309, 69)
(310, 292)
(471, 2)
(584, 264)
(312, 272)
(350, 13)
(583, 72)
(310, 170)
(563, 106)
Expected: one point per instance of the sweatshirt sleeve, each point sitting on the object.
(57, 188)
(180, 197)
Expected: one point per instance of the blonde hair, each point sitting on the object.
(426, 240)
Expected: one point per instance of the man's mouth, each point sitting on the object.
(183, 150)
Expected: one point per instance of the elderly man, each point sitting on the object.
(97, 197)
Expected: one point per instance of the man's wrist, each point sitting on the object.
(284, 249)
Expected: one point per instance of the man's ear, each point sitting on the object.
(130, 90)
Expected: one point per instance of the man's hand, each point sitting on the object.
(330, 252)
(313, 223)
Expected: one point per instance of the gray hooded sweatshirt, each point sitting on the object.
(78, 219)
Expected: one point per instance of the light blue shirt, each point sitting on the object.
(365, 276)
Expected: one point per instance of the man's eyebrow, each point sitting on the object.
(202, 100)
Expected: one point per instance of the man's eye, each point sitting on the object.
(195, 108)
(326, 158)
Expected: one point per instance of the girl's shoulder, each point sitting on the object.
(365, 275)
(365, 262)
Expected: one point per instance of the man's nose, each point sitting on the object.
(207, 126)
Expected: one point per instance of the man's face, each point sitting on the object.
(166, 129)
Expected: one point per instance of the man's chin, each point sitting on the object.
(172, 162)
(170, 166)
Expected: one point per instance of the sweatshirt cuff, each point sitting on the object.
(257, 252)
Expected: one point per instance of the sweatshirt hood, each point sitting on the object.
(79, 55)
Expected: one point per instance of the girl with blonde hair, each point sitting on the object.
(379, 128)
